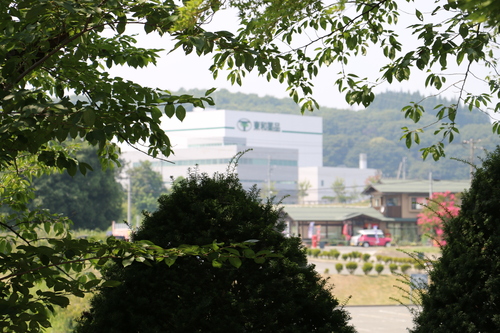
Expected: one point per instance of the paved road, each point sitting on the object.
(381, 319)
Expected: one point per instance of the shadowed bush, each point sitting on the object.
(280, 295)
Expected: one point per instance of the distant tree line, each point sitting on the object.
(376, 131)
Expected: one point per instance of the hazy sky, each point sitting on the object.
(176, 70)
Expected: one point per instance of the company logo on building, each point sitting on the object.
(244, 125)
(266, 126)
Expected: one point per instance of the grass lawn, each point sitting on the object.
(368, 289)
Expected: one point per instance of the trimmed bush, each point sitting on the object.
(334, 253)
(315, 253)
(356, 254)
(419, 266)
(393, 268)
(366, 257)
(405, 267)
(339, 267)
(379, 268)
(279, 295)
(351, 267)
(367, 267)
(345, 256)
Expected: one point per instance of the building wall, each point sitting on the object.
(260, 166)
(304, 133)
(322, 178)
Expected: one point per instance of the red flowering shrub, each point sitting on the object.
(441, 207)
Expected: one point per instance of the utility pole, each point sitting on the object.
(129, 200)
(402, 168)
(430, 185)
(472, 147)
(269, 171)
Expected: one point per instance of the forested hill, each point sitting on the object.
(376, 131)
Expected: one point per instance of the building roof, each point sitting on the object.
(417, 186)
(331, 213)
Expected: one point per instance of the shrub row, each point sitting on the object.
(365, 257)
(400, 260)
(367, 267)
(317, 253)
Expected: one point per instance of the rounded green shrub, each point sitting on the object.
(405, 267)
(339, 267)
(356, 254)
(419, 266)
(334, 253)
(351, 267)
(393, 268)
(281, 294)
(367, 267)
(379, 268)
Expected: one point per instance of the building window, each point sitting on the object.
(377, 202)
(417, 203)
(392, 201)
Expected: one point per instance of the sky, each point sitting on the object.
(176, 70)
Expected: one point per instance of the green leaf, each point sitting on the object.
(111, 284)
(408, 141)
(249, 253)
(233, 251)
(209, 91)
(122, 22)
(89, 117)
(216, 263)
(170, 110)
(235, 261)
(419, 15)
(62, 301)
(128, 261)
(260, 260)
(169, 260)
(180, 112)
(91, 284)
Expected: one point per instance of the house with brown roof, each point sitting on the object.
(331, 222)
(394, 207)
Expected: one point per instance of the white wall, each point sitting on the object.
(304, 133)
(322, 178)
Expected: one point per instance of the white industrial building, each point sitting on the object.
(284, 149)
(321, 180)
(211, 128)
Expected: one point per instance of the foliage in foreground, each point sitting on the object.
(464, 295)
(91, 201)
(42, 264)
(283, 294)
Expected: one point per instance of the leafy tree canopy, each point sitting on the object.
(147, 187)
(464, 294)
(49, 49)
(91, 201)
(282, 294)
(376, 132)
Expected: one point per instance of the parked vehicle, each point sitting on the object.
(370, 237)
